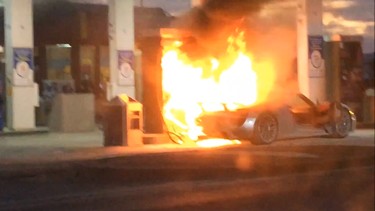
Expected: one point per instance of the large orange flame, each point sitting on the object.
(193, 86)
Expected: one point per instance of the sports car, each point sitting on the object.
(265, 123)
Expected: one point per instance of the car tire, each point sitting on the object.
(266, 129)
(339, 127)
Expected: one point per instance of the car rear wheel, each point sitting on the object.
(266, 129)
(340, 125)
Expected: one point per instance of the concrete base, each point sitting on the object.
(72, 113)
(156, 139)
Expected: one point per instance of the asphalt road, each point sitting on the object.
(311, 173)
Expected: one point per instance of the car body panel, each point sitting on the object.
(239, 124)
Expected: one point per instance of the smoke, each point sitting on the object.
(213, 13)
(273, 37)
(233, 9)
(212, 22)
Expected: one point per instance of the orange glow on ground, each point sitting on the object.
(212, 143)
(193, 86)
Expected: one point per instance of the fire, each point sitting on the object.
(209, 143)
(193, 86)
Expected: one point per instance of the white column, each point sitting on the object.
(121, 48)
(22, 92)
(311, 68)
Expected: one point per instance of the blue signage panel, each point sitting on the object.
(126, 67)
(23, 66)
(23, 55)
(316, 57)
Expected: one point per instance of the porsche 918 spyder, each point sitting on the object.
(264, 123)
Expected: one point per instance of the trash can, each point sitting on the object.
(123, 122)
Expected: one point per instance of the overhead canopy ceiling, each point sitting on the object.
(75, 1)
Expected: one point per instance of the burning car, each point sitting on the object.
(233, 95)
(264, 123)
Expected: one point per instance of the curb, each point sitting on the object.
(36, 130)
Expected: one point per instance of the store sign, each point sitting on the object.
(316, 57)
(125, 68)
(23, 66)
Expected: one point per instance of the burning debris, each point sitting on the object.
(208, 65)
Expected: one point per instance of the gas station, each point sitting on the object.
(130, 77)
(109, 105)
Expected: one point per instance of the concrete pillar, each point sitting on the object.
(121, 48)
(311, 67)
(22, 92)
(332, 56)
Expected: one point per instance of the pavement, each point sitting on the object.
(44, 147)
